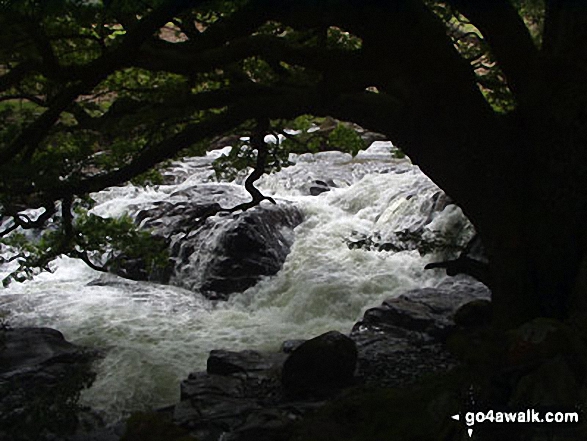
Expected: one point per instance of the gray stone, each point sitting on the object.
(249, 395)
(475, 313)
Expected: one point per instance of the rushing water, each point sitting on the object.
(154, 335)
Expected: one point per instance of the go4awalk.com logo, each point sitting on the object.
(526, 416)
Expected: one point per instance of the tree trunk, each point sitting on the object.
(535, 238)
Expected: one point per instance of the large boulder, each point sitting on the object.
(320, 365)
(254, 244)
(41, 375)
(214, 251)
(402, 340)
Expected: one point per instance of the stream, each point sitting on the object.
(153, 335)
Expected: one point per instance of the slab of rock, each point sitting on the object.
(253, 244)
(241, 395)
(237, 389)
(221, 362)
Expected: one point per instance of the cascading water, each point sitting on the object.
(153, 335)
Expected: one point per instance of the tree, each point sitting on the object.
(487, 97)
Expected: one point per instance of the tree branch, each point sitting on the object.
(88, 76)
(84, 257)
(259, 144)
(508, 37)
(187, 59)
(18, 73)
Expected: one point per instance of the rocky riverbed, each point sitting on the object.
(247, 395)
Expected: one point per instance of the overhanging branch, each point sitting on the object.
(508, 37)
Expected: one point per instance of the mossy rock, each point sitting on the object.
(153, 426)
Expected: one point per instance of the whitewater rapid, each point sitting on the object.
(153, 335)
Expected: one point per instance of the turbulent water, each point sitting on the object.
(152, 335)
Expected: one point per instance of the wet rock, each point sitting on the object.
(288, 346)
(215, 252)
(236, 389)
(319, 365)
(319, 187)
(24, 349)
(403, 339)
(153, 426)
(41, 375)
(250, 395)
(239, 397)
(221, 362)
(253, 244)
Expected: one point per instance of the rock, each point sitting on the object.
(41, 375)
(24, 349)
(249, 395)
(288, 346)
(474, 313)
(404, 313)
(319, 187)
(215, 252)
(239, 394)
(402, 340)
(254, 244)
(221, 362)
(153, 426)
(321, 364)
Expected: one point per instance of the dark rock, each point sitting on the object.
(236, 385)
(240, 397)
(403, 313)
(323, 363)
(41, 375)
(402, 340)
(221, 362)
(254, 244)
(153, 426)
(250, 395)
(24, 349)
(474, 313)
(215, 252)
(288, 346)
(319, 187)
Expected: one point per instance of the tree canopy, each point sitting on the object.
(488, 97)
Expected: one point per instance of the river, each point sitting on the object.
(153, 335)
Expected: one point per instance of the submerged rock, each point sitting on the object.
(318, 187)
